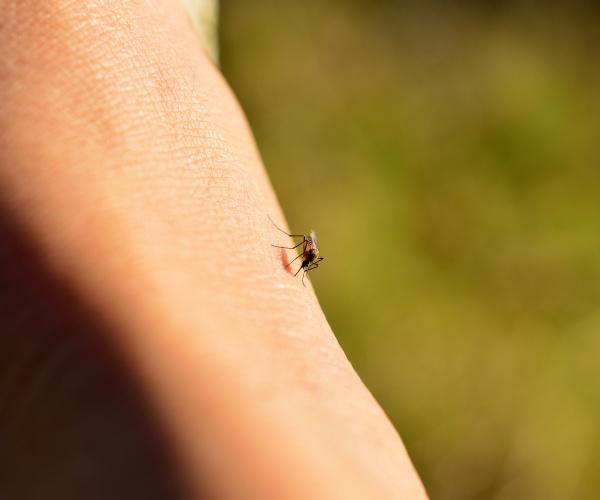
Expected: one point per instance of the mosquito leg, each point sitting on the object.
(305, 242)
(301, 255)
(312, 266)
(288, 248)
(292, 235)
(303, 278)
(298, 256)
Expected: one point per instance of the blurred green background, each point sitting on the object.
(447, 154)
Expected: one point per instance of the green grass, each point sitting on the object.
(449, 160)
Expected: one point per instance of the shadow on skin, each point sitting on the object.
(74, 422)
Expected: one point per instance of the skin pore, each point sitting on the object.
(138, 264)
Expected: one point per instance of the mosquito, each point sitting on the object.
(310, 251)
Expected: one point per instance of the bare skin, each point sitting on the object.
(133, 216)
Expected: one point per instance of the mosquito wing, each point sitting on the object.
(313, 240)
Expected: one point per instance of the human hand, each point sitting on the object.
(152, 342)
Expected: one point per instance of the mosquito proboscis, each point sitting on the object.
(310, 251)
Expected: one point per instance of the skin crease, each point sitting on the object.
(126, 161)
